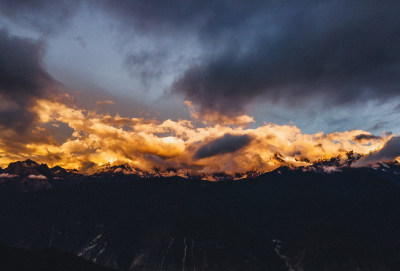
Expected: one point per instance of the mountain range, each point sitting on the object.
(327, 216)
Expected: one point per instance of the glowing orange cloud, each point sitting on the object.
(98, 139)
(215, 117)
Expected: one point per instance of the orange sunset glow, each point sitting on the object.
(99, 139)
(213, 135)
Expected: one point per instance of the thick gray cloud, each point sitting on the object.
(337, 52)
(365, 137)
(22, 80)
(292, 52)
(389, 152)
(225, 144)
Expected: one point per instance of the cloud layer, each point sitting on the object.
(333, 52)
(22, 80)
(228, 143)
(98, 139)
(389, 152)
(221, 57)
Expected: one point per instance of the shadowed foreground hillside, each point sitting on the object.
(283, 220)
(14, 259)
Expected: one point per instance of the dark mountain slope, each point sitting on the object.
(283, 220)
(14, 259)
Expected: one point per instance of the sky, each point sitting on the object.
(203, 86)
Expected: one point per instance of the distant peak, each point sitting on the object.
(30, 162)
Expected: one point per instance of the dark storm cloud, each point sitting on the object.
(22, 80)
(334, 52)
(362, 137)
(207, 17)
(225, 144)
(389, 152)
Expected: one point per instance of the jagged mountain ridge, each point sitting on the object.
(32, 169)
(35, 176)
(28, 175)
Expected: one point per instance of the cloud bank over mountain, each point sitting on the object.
(214, 59)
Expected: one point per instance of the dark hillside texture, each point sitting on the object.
(346, 220)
